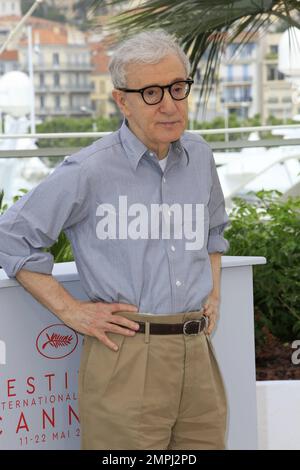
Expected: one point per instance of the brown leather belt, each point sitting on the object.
(190, 327)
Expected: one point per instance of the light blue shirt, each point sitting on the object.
(158, 275)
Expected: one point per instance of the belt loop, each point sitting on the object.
(147, 332)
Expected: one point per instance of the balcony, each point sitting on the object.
(66, 111)
(237, 81)
(272, 56)
(69, 88)
(238, 103)
(84, 88)
(49, 67)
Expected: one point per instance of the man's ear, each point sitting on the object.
(119, 98)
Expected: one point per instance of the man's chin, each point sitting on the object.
(170, 134)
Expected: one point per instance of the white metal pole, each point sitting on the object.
(19, 25)
(31, 77)
(226, 122)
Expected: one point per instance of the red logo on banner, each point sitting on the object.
(56, 341)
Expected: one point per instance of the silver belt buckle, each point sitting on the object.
(192, 321)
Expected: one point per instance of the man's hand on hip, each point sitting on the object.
(211, 311)
(89, 318)
(98, 318)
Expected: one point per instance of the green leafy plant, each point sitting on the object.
(61, 250)
(271, 228)
(4, 207)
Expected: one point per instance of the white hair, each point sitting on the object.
(147, 47)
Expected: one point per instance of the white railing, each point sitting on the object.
(226, 130)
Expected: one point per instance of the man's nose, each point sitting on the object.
(168, 104)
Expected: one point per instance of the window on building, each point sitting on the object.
(102, 107)
(102, 86)
(42, 79)
(286, 99)
(42, 102)
(273, 73)
(238, 50)
(247, 49)
(274, 49)
(231, 50)
(230, 72)
(57, 103)
(246, 93)
(40, 58)
(275, 112)
(55, 58)
(75, 101)
(229, 94)
(246, 72)
(56, 79)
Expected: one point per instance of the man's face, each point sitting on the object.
(155, 125)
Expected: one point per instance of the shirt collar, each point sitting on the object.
(135, 149)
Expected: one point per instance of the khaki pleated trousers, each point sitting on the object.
(155, 392)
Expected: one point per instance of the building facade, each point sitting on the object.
(239, 91)
(10, 7)
(277, 92)
(62, 70)
(101, 98)
(248, 83)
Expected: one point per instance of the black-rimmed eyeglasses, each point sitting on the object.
(154, 94)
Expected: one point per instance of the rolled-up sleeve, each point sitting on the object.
(35, 221)
(218, 218)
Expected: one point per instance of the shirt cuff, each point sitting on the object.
(36, 262)
(217, 244)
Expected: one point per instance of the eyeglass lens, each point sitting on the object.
(178, 90)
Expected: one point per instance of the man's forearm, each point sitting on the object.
(48, 291)
(88, 318)
(215, 260)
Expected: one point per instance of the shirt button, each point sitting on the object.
(178, 283)
(151, 154)
(164, 179)
(173, 248)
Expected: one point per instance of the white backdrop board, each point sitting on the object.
(39, 361)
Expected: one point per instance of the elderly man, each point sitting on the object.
(144, 212)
